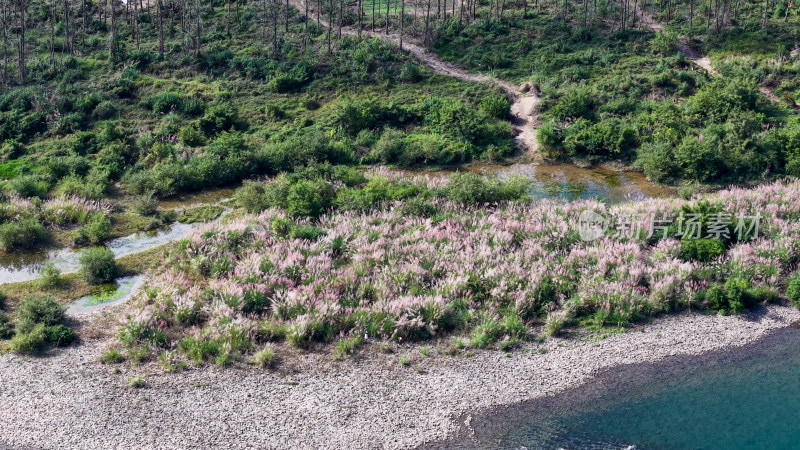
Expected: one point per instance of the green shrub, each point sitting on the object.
(6, 329)
(309, 233)
(105, 110)
(96, 230)
(496, 107)
(98, 265)
(705, 250)
(664, 43)
(309, 198)
(49, 277)
(112, 356)
(29, 186)
(145, 205)
(418, 207)
(251, 197)
(657, 162)
(191, 136)
(60, 335)
(164, 102)
(469, 188)
(29, 342)
(266, 358)
(410, 73)
(26, 233)
(40, 309)
(793, 290)
(347, 346)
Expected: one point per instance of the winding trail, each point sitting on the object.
(523, 101)
(691, 54)
(705, 62)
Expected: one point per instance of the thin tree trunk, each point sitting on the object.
(341, 19)
(52, 17)
(198, 30)
(287, 17)
(360, 17)
(373, 16)
(402, 20)
(388, 2)
(83, 34)
(275, 12)
(305, 26)
(427, 22)
(160, 6)
(766, 12)
(4, 17)
(23, 10)
(67, 39)
(330, 23)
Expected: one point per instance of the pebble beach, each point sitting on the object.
(68, 399)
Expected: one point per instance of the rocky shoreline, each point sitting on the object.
(70, 400)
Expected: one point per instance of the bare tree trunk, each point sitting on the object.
(23, 10)
(691, 17)
(286, 29)
(766, 12)
(161, 27)
(330, 23)
(341, 19)
(373, 16)
(360, 17)
(198, 29)
(427, 22)
(275, 13)
(5, 14)
(387, 15)
(402, 20)
(113, 52)
(52, 17)
(67, 36)
(83, 34)
(305, 26)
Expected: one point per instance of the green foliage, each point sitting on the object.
(469, 188)
(96, 230)
(793, 290)
(112, 356)
(98, 265)
(735, 296)
(29, 186)
(29, 342)
(49, 277)
(59, 335)
(664, 43)
(266, 358)
(40, 309)
(25, 233)
(705, 250)
(6, 329)
(496, 107)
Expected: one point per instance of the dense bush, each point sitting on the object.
(25, 233)
(98, 265)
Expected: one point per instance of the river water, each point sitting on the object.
(741, 398)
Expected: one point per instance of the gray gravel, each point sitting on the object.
(69, 400)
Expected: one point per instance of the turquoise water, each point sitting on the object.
(741, 399)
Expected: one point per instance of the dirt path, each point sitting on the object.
(691, 54)
(523, 104)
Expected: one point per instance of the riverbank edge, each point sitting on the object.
(486, 427)
(314, 401)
